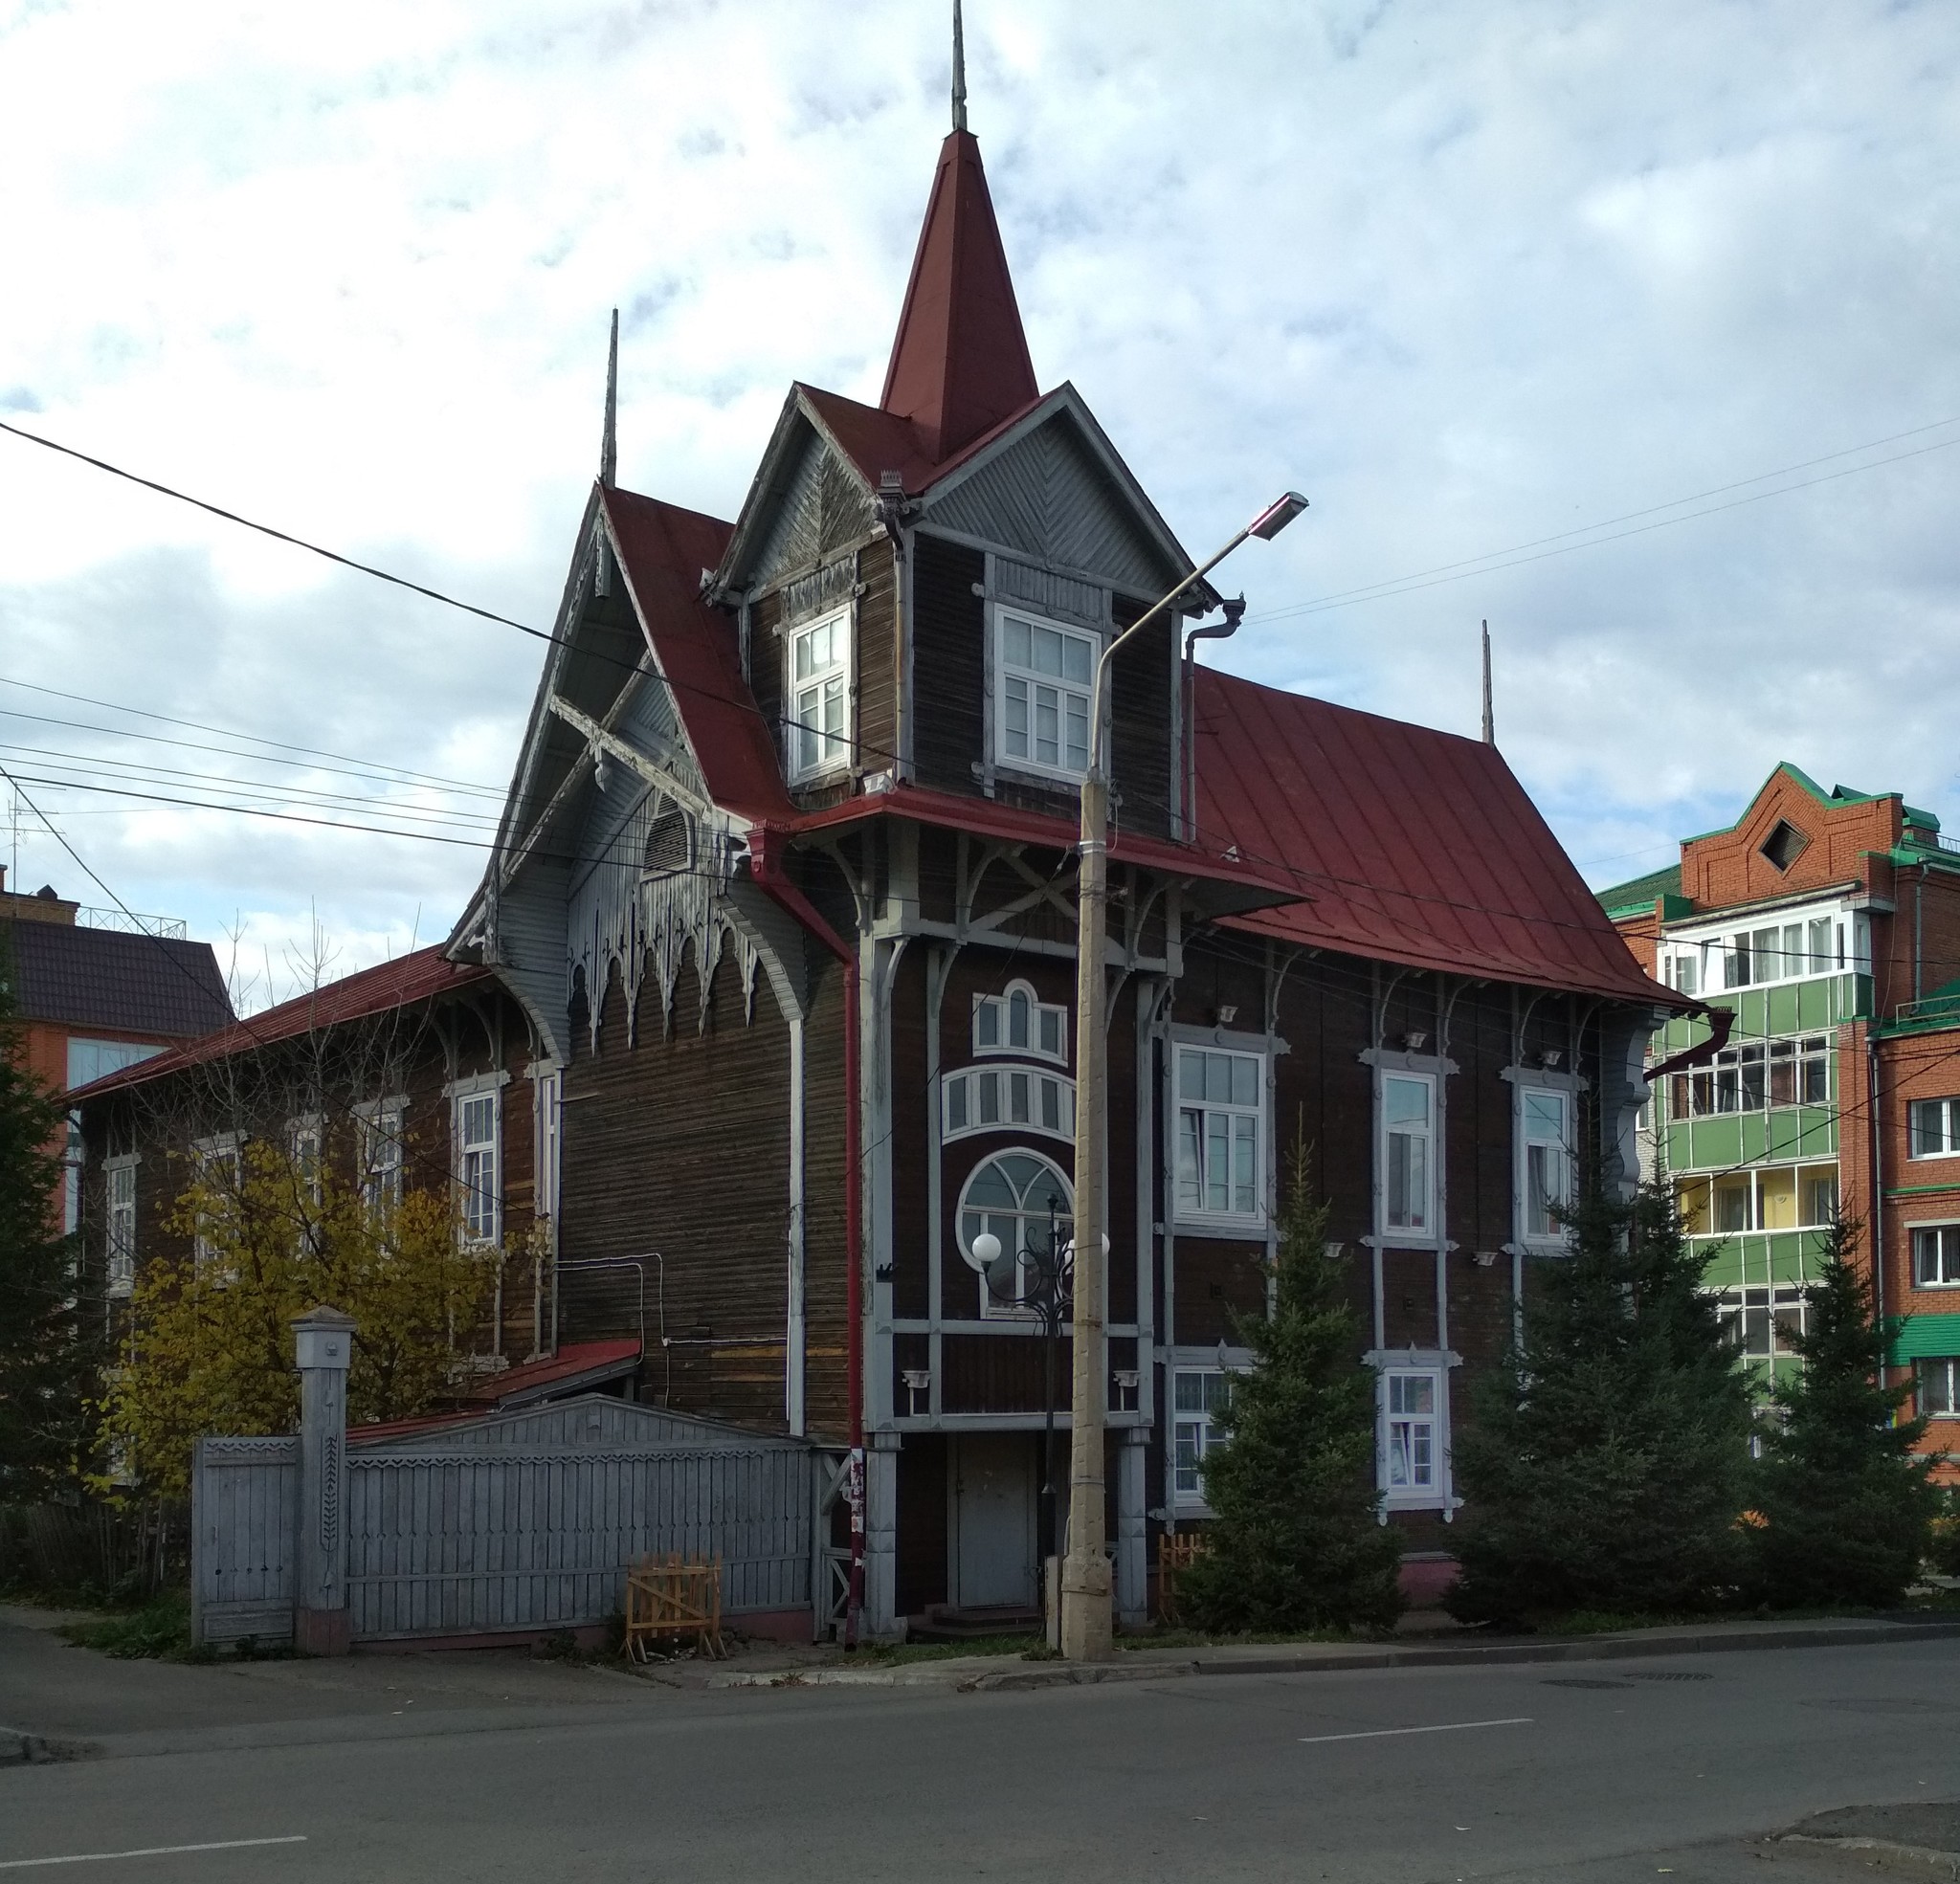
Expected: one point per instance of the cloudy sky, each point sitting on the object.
(1628, 327)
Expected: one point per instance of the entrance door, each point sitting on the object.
(993, 1521)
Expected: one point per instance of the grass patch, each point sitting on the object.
(1197, 1638)
(890, 1654)
(160, 1632)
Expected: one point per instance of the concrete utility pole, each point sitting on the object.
(1085, 1621)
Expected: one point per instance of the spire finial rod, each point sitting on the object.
(608, 443)
(959, 71)
(1489, 725)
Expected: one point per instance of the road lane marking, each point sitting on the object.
(1387, 1732)
(149, 1852)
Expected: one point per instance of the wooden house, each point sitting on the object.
(783, 888)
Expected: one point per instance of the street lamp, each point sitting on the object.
(1085, 1618)
(1041, 1279)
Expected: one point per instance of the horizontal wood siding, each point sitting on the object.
(948, 663)
(825, 1180)
(680, 1144)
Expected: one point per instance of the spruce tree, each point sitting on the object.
(1843, 1507)
(1297, 1541)
(45, 1363)
(1606, 1467)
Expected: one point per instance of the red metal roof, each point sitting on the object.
(876, 442)
(1416, 847)
(399, 984)
(960, 362)
(570, 1368)
(663, 549)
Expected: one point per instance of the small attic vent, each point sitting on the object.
(669, 851)
(1784, 844)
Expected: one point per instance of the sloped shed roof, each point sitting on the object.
(1416, 847)
(398, 983)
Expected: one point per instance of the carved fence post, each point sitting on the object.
(324, 1339)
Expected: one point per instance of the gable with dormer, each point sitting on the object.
(1794, 839)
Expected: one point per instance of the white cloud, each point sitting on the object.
(1470, 277)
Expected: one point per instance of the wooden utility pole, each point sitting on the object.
(1086, 1633)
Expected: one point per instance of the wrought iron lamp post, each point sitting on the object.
(1042, 1279)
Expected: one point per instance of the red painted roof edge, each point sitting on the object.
(410, 978)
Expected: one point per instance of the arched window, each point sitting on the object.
(1019, 1197)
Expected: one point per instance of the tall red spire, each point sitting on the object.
(960, 362)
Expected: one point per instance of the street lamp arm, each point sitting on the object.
(1269, 523)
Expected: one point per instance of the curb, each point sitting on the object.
(20, 1748)
(1594, 1649)
(1884, 1847)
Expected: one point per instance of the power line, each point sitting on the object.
(1511, 557)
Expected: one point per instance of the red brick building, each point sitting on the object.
(1821, 932)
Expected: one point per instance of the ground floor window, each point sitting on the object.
(1197, 1395)
(1939, 1386)
(1409, 1432)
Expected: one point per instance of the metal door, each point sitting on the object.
(993, 1521)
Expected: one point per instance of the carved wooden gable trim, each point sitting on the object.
(1047, 498)
(824, 508)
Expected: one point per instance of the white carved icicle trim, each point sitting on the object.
(620, 918)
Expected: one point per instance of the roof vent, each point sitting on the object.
(1784, 844)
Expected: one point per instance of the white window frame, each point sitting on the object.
(1949, 1374)
(551, 1124)
(1948, 1133)
(1554, 1236)
(1426, 1235)
(119, 1251)
(1005, 1099)
(382, 1123)
(1195, 1426)
(306, 1146)
(832, 750)
(1773, 1301)
(994, 1016)
(228, 1148)
(990, 1308)
(1403, 1365)
(1195, 1125)
(480, 1187)
(1017, 687)
(1722, 957)
(1948, 1234)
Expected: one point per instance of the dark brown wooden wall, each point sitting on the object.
(877, 652)
(826, 1280)
(678, 1144)
(1141, 754)
(948, 663)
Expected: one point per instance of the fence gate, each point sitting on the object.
(244, 1503)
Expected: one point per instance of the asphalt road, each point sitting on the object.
(1603, 1772)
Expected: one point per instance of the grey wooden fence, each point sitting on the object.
(510, 1523)
(244, 1503)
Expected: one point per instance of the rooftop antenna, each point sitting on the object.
(608, 444)
(1489, 727)
(959, 71)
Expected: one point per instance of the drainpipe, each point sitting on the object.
(1721, 1020)
(1234, 612)
(765, 866)
(1871, 1056)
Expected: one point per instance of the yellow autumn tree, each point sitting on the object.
(266, 1235)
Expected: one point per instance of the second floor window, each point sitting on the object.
(820, 695)
(1748, 1078)
(1016, 1022)
(120, 1181)
(381, 1158)
(1408, 1138)
(476, 1164)
(1936, 1257)
(1220, 1113)
(1935, 1128)
(1042, 708)
(1547, 1160)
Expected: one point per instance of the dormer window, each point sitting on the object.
(1016, 1022)
(1784, 845)
(1041, 694)
(820, 695)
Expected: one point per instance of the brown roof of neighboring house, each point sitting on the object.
(108, 982)
(399, 984)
